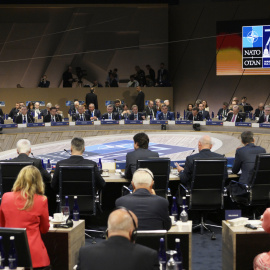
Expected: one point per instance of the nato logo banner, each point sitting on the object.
(252, 37)
(266, 46)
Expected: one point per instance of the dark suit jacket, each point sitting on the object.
(19, 119)
(164, 72)
(151, 210)
(43, 84)
(13, 112)
(91, 98)
(198, 117)
(1, 112)
(115, 116)
(238, 118)
(66, 76)
(2, 120)
(220, 112)
(117, 253)
(170, 116)
(132, 157)
(205, 114)
(76, 117)
(47, 118)
(186, 174)
(131, 116)
(148, 112)
(44, 112)
(257, 112)
(245, 159)
(96, 113)
(37, 163)
(77, 160)
(262, 119)
(140, 101)
(120, 109)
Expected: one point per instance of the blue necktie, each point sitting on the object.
(24, 119)
(81, 118)
(110, 116)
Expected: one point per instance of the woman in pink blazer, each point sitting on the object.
(27, 207)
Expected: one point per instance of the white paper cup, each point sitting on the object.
(58, 216)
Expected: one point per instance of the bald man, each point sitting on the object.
(204, 146)
(151, 210)
(119, 252)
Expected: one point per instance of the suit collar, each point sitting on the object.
(142, 191)
(250, 145)
(76, 156)
(118, 239)
(205, 150)
(23, 155)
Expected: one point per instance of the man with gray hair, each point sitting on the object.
(119, 252)
(110, 115)
(151, 210)
(47, 110)
(204, 146)
(265, 117)
(235, 116)
(135, 115)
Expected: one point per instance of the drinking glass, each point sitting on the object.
(66, 212)
(171, 265)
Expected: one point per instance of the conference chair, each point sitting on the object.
(151, 238)
(79, 181)
(160, 167)
(207, 189)
(258, 192)
(8, 174)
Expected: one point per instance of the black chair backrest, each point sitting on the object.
(78, 181)
(208, 183)
(8, 174)
(151, 238)
(160, 167)
(260, 182)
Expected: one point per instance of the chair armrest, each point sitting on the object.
(242, 184)
(186, 190)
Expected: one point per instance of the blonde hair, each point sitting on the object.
(29, 182)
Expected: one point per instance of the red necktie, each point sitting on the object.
(233, 119)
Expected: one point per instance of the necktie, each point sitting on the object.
(52, 118)
(265, 118)
(135, 117)
(224, 112)
(233, 119)
(24, 119)
(81, 118)
(165, 116)
(110, 116)
(92, 113)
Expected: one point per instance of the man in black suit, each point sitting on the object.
(150, 209)
(93, 113)
(152, 73)
(118, 108)
(119, 252)
(150, 109)
(204, 113)
(24, 117)
(141, 151)
(135, 115)
(53, 116)
(265, 118)
(110, 115)
(14, 111)
(43, 82)
(165, 115)
(235, 116)
(140, 99)
(204, 147)
(91, 98)
(81, 115)
(162, 74)
(77, 149)
(260, 110)
(67, 77)
(224, 110)
(47, 110)
(247, 107)
(244, 160)
(195, 115)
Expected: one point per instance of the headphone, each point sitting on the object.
(145, 170)
(133, 236)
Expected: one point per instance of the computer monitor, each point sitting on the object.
(151, 238)
(21, 245)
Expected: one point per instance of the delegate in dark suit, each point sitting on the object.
(264, 118)
(198, 117)
(76, 160)
(114, 116)
(239, 118)
(1, 120)
(245, 159)
(91, 98)
(48, 118)
(258, 112)
(151, 210)
(151, 111)
(132, 116)
(44, 112)
(205, 114)
(94, 113)
(132, 157)
(169, 116)
(13, 112)
(186, 174)
(19, 119)
(223, 112)
(140, 101)
(78, 117)
(117, 253)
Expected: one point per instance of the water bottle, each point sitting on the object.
(178, 258)
(43, 165)
(12, 256)
(178, 115)
(213, 115)
(76, 212)
(184, 202)
(99, 164)
(119, 116)
(162, 255)
(174, 209)
(48, 166)
(2, 254)
(184, 115)
(66, 201)
(184, 214)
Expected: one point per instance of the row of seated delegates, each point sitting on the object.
(121, 251)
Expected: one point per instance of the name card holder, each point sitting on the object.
(8, 125)
(242, 124)
(214, 123)
(133, 122)
(109, 122)
(56, 124)
(264, 125)
(35, 124)
(158, 122)
(84, 123)
(183, 122)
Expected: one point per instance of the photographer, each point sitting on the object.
(43, 82)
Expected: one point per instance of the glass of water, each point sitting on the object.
(66, 212)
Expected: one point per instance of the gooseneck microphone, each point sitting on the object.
(192, 152)
(67, 151)
(32, 155)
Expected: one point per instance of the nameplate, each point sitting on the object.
(54, 124)
(83, 123)
(264, 125)
(158, 122)
(242, 124)
(120, 165)
(133, 122)
(231, 214)
(214, 123)
(66, 119)
(109, 122)
(8, 125)
(35, 124)
(183, 122)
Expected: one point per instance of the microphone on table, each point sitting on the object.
(32, 155)
(67, 151)
(192, 152)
